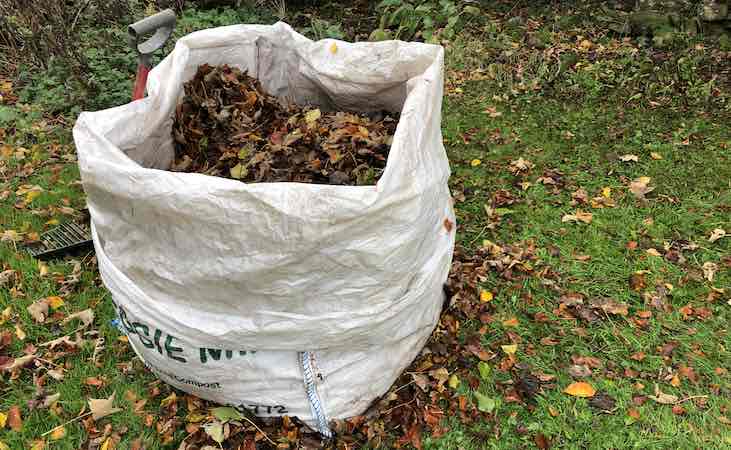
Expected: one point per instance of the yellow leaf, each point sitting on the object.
(510, 349)
(32, 195)
(475, 162)
(170, 399)
(4, 446)
(5, 315)
(312, 116)
(652, 252)
(58, 433)
(675, 381)
(485, 296)
(333, 48)
(512, 322)
(3, 420)
(553, 411)
(19, 332)
(108, 444)
(655, 156)
(454, 381)
(52, 222)
(237, 172)
(42, 269)
(55, 302)
(607, 192)
(580, 389)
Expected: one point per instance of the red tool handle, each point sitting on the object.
(160, 26)
(140, 82)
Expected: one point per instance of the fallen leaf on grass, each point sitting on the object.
(6, 276)
(603, 402)
(629, 157)
(484, 370)
(19, 333)
(610, 306)
(16, 363)
(226, 413)
(475, 162)
(14, 420)
(716, 234)
(656, 156)
(709, 270)
(58, 433)
(541, 441)
(580, 389)
(637, 281)
(511, 323)
(663, 398)
(579, 371)
(38, 310)
(485, 403)
(653, 252)
(102, 407)
(86, 316)
(454, 381)
(509, 349)
(485, 296)
(55, 302)
(3, 420)
(640, 188)
(578, 216)
(520, 165)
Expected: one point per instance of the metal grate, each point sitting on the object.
(62, 240)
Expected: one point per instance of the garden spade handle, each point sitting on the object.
(162, 25)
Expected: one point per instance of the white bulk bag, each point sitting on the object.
(282, 298)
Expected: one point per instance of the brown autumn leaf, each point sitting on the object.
(579, 371)
(716, 234)
(17, 363)
(602, 401)
(228, 125)
(663, 398)
(590, 361)
(448, 225)
(580, 389)
(640, 187)
(15, 422)
(542, 441)
(637, 281)
(6, 276)
(610, 306)
(580, 196)
(86, 317)
(634, 413)
(520, 165)
(94, 381)
(103, 407)
(578, 216)
(709, 270)
(39, 310)
(639, 356)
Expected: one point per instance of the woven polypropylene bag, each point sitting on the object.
(282, 298)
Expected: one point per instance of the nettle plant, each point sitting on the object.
(430, 21)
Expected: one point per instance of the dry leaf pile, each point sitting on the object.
(228, 126)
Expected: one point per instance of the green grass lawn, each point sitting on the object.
(585, 130)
